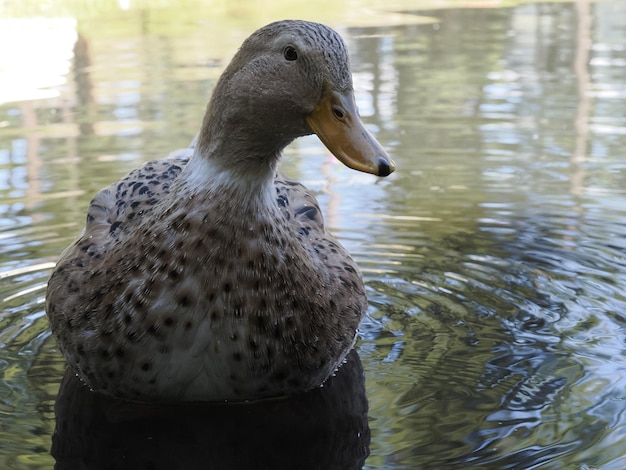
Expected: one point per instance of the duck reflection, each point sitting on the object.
(323, 429)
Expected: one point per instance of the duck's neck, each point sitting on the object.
(241, 190)
(235, 154)
(241, 134)
(239, 146)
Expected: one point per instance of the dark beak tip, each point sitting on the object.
(385, 167)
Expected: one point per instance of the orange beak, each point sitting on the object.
(336, 122)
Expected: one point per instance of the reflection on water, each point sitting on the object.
(494, 257)
(326, 428)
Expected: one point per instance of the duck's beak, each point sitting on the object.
(336, 122)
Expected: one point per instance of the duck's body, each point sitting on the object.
(212, 278)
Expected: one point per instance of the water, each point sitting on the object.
(494, 257)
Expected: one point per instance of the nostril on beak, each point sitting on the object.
(384, 167)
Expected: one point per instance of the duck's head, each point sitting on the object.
(288, 79)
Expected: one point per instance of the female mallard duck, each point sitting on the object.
(212, 277)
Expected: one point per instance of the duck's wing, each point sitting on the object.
(116, 208)
(299, 205)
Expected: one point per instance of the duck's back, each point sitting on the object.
(116, 209)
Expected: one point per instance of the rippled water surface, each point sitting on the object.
(495, 257)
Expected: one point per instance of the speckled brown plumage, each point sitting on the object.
(208, 276)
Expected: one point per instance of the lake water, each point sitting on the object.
(495, 257)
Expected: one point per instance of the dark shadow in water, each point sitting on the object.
(322, 429)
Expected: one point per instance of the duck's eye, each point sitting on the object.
(290, 53)
(338, 112)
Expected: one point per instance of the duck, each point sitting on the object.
(209, 276)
